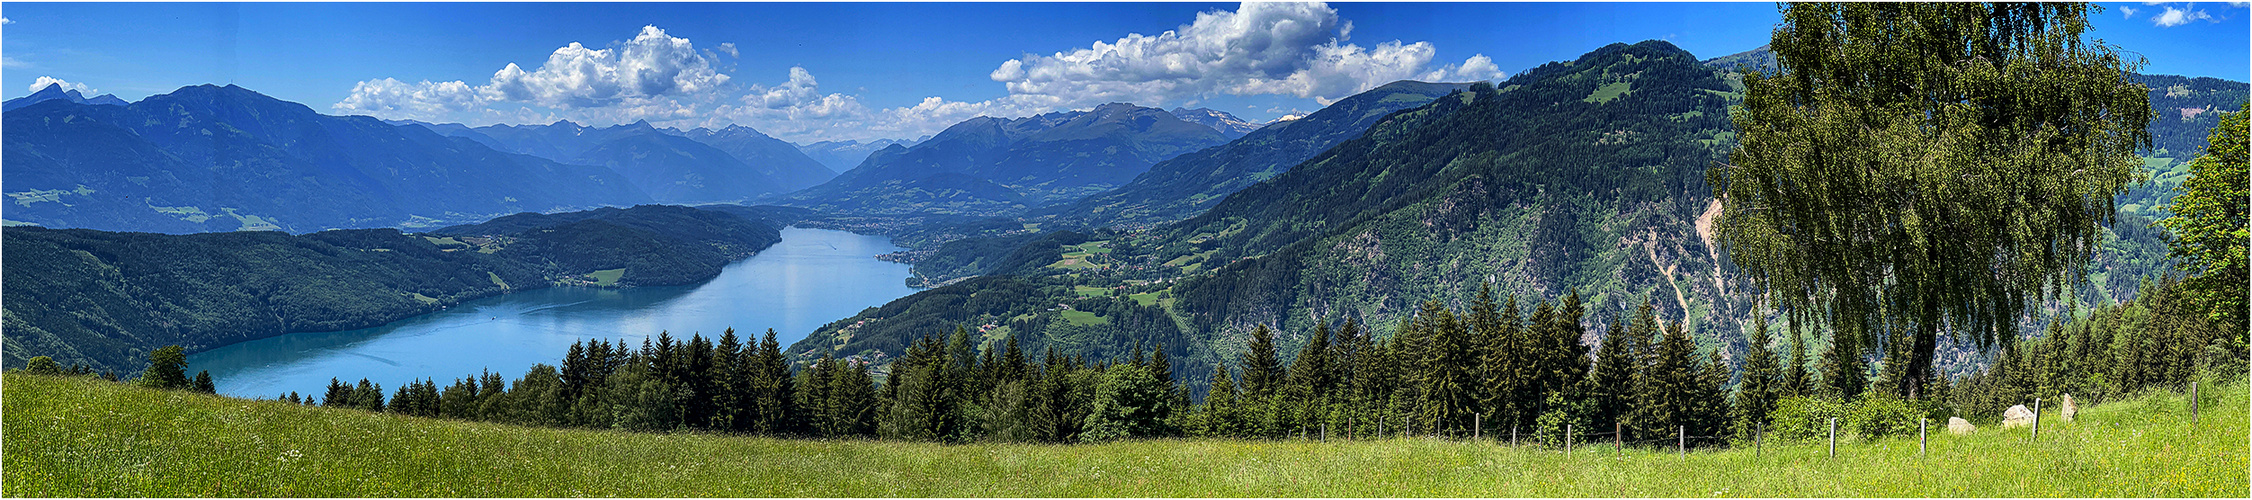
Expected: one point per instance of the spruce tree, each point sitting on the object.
(1450, 372)
(1669, 387)
(1763, 382)
(1797, 381)
(203, 382)
(1611, 383)
(726, 382)
(1262, 372)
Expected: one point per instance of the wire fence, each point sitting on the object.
(1574, 440)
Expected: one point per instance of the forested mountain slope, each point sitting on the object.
(208, 158)
(106, 299)
(1191, 183)
(1585, 175)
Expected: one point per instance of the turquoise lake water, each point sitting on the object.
(812, 277)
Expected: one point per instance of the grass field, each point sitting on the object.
(81, 437)
(606, 277)
(1084, 318)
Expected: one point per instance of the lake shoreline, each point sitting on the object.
(813, 276)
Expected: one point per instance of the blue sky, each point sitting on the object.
(806, 72)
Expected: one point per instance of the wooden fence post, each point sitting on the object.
(1759, 440)
(2036, 418)
(1618, 439)
(1923, 439)
(1681, 443)
(2192, 402)
(1833, 437)
(1477, 426)
(1513, 435)
(1567, 440)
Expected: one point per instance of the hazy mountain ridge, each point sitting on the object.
(55, 92)
(209, 158)
(840, 156)
(1227, 124)
(1191, 183)
(1041, 159)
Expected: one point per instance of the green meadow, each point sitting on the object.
(85, 437)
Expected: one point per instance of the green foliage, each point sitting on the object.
(1865, 178)
(42, 365)
(1131, 402)
(1807, 418)
(2163, 339)
(2211, 225)
(167, 369)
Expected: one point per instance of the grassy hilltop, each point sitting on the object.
(85, 437)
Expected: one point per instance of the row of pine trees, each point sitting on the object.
(1492, 370)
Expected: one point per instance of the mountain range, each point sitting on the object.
(702, 165)
(211, 158)
(54, 92)
(1228, 125)
(840, 156)
(989, 166)
(1188, 184)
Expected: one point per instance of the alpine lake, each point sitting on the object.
(810, 278)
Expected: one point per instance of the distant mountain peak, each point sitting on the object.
(56, 92)
(1228, 125)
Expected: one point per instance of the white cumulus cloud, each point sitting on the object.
(1283, 49)
(45, 81)
(652, 64)
(1295, 49)
(425, 100)
(633, 79)
(2176, 17)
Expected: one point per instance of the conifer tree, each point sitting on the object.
(203, 382)
(726, 383)
(1449, 382)
(1797, 380)
(368, 396)
(1610, 385)
(1262, 371)
(772, 406)
(1843, 371)
(338, 394)
(1013, 365)
(1669, 387)
(1762, 384)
